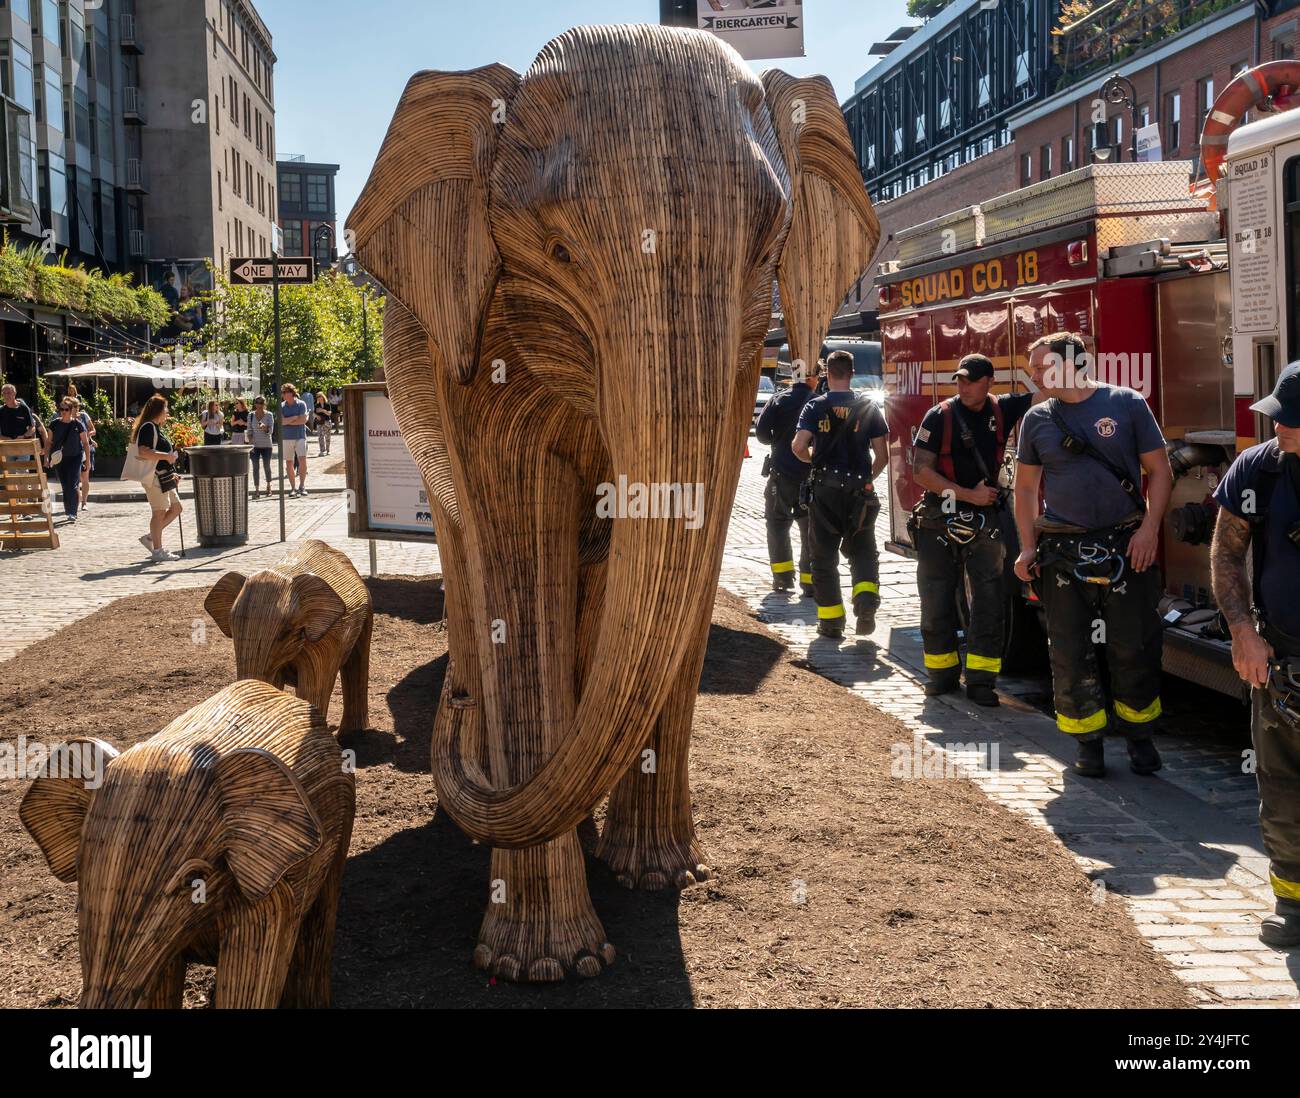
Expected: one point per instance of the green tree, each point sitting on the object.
(323, 340)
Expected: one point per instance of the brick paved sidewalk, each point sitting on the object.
(1181, 848)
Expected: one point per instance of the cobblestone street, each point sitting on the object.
(1182, 849)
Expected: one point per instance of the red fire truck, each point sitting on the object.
(1187, 294)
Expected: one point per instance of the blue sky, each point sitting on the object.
(343, 63)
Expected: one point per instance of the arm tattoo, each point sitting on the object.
(1228, 555)
(924, 459)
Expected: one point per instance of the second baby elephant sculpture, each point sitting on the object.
(220, 840)
(580, 264)
(302, 623)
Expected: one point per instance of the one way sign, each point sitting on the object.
(257, 272)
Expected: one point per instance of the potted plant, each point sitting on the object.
(111, 439)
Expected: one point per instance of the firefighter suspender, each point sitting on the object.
(948, 411)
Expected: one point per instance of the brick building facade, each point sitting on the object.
(1176, 79)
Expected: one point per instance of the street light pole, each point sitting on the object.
(1120, 91)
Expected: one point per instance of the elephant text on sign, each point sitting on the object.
(580, 262)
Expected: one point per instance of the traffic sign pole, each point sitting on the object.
(275, 308)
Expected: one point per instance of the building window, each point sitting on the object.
(291, 189)
(293, 238)
(234, 101)
(1204, 102)
(1284, 46)
(1045, 162)
(318, 194)
(1173, 121)
(1026, 169)
(248, 179)
(235, 181)
(1067, 153)
(248, 119)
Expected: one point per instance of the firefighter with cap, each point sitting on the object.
(786, 475)
(843, 437)
(1256, 566)
(1093, 549)
(957, 528)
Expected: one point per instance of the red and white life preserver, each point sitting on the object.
(1269, 87)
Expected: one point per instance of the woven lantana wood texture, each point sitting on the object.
(581, 261)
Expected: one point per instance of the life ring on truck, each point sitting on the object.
(1269, 87)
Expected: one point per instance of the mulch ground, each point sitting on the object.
(837, 885)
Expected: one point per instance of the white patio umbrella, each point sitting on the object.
(115, 368)
(211, 375)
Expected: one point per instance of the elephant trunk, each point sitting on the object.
(661, 412)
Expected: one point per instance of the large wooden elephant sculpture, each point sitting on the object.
(580, 262)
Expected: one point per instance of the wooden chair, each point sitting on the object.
(26, 517)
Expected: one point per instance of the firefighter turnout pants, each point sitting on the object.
(842, 520)
(1092, 598)
(943, 564)
(781, 509)
(1276, 738)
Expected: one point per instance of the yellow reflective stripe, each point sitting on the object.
(983, 663)
(1137, 716)
(824, 612)
(1078, 727)
(782, 566)
(865, 585)
(805, 577)
(944, 659)
(1288, 890)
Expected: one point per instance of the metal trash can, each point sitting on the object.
(220, 476)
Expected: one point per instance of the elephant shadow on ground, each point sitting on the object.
(409, 916)
(738, 660)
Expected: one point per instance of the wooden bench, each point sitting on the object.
(26, 511)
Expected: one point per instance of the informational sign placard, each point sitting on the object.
(756, 28)
(292, 270)
(1148, 144)
(1254, 244)
(395, 494)
(388, 498)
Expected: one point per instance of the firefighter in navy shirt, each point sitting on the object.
(843, 437)
(1259, 522)
(1094, 547)
(957, 528)
(786, 475)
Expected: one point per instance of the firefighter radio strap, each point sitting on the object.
(1079, 446)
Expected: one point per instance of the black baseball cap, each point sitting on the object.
(974, 368)
(1283, 404)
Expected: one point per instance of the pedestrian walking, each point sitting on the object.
(324, 418)
(336, 406)
(160, 486)
(239, 422)
(88, 458)
(1255, 557)
(1093, 548)
(959, 528)
(786, 476)
(65, 448)
(262, 435)
(293, 431)
(843, 437)
(211, 420)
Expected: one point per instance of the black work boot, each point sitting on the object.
(1282, 929)
(782, 581)
(981, 693)
(1143, 758)
(945, 685)
(1090, 762)
(866, 624)
(831, 628)
(807, 590)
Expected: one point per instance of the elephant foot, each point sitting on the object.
(540, 926)
(546, 951)
(654, 863)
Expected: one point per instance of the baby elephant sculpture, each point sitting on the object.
(302, 623)
(220, 840)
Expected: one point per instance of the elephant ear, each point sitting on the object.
(54, 808)
(316, 605)
(834, 230)
(222, 597)
(421, 223)
(267, 823)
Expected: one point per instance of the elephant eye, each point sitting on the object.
(558, 252)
